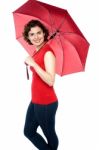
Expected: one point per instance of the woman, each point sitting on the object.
(42, 108)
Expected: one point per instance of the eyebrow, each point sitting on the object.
(34, 33)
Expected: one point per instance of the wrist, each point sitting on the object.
(33, 64)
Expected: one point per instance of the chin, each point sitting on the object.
(39, 44)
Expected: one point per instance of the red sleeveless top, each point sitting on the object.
(41, 92)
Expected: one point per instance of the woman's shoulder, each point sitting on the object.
(48, 48)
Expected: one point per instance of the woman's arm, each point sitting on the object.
(47, 75)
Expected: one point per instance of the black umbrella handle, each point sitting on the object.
(27, 72)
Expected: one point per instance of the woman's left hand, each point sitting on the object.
(29, 61)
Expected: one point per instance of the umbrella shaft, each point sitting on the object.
(53, 35)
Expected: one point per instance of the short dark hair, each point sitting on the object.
(34, 23)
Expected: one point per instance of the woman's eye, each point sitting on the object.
(39, 32)
(31, 34)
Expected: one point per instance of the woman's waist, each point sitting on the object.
(42, 87)
(40, 84)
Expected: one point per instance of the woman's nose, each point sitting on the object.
(35, 36)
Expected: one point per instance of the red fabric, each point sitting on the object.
(41, 92)
(69, 44)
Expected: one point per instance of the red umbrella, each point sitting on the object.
(67, 41)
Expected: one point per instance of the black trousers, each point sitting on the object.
(43, 116)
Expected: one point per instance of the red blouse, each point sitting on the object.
(41, 92)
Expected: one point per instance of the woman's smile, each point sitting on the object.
(36, 36)
(37, 41)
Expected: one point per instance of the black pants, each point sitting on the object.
(43, 116)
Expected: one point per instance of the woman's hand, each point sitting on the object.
(29, 61)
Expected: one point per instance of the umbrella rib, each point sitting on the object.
(75, 33)
(55, 38)
(62, 53)
(62, 22)
(51, 22)
(69, 32)
(75, 49)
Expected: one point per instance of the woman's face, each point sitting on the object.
(36, 36)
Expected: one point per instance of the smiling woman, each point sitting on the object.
(36, 36)
(41, 30)
(44, 102)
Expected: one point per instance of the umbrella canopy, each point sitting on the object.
(67, 41)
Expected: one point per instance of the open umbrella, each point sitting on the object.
(67, 41)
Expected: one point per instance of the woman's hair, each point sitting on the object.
(34, 23)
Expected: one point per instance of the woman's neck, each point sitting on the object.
(39, 47)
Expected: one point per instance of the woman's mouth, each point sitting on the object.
(37, 41)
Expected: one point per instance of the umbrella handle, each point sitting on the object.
(27, 72)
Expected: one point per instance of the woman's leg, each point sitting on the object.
(30, 129)
(45, 115)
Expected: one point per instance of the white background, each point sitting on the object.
(77, 121)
